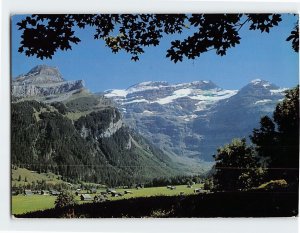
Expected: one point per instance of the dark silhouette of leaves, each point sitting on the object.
(43, 35)
(294, 37)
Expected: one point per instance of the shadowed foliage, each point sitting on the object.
(237, 167)
(227, 204)
(42, 35)
(277, 139)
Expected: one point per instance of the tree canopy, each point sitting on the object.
(42, 35)
(236, 167)
(277, 139)
(273, 156)
(65, 199)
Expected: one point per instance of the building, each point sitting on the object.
(86, 197)
(28, 192)
(54, 193)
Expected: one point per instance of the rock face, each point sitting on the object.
(194, 119)
(43, 81)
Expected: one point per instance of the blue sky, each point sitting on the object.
(260, 55)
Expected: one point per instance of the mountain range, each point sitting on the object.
(149, 130)
(194, 119)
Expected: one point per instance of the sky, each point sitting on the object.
(259, 55)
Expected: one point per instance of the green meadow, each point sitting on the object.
(23, 204)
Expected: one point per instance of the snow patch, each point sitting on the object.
(214, 95)
(188, 117)
(278, 91)
(136, 101)
(201, 106)
(165, 100)
(256, 81)
(116, 93)
(263, 101)
(182, 92)
(147, 112)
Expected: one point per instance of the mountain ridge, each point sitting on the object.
(42, 81)
(180, 118)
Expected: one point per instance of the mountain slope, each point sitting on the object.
(82, 137)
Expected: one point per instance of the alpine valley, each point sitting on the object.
(121, 137)
(59, 126)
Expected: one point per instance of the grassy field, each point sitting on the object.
(22, 176)
(22, 204)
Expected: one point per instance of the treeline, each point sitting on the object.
(272, 157)
(175, 180)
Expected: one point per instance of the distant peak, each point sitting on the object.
(263, 83)
(41, 74)
(258, 87)
(258, 81)
(46, 70)
(204, 84)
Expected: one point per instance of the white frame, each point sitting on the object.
(7, 223)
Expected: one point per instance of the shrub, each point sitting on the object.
(99, 198)
(65, 199)
(274, 184)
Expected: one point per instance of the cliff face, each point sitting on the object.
(26, 90)
(43, 81)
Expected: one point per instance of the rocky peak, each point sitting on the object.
(43, 80)
(258, 87)
(39, 75)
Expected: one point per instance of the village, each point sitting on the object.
(33, 200)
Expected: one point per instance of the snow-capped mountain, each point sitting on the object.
(202, 94)
(194, 119)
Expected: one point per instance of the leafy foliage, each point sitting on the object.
(65, 199)
(99, 198)
(276, 146)
(294, 37)
(43, 35)
(236, 167)
(277, 139)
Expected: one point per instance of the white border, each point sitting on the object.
(220, 225)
